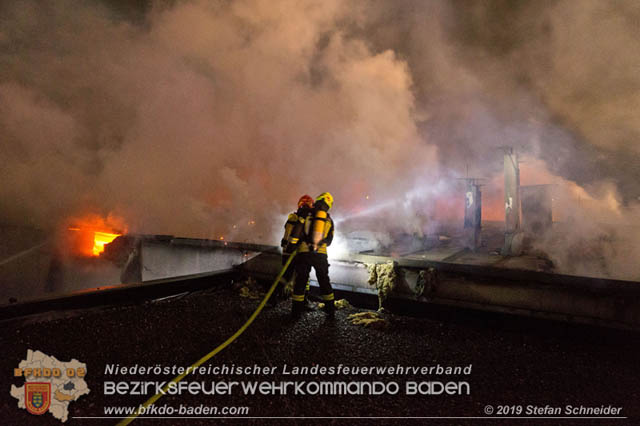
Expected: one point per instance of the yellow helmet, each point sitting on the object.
(327, 198)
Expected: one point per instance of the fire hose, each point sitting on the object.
(211, 354)
(22, 253)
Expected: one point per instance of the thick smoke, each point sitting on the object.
(207, 116)
(558, 81)
(210, 118)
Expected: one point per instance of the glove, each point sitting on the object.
(283, 243)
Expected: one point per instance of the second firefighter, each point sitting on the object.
(317, 235)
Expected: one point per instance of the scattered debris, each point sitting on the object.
(384, 277)
(368, 319)
(339, 304)
(170, 297)
(342, 304)
(425, 285)
(250, 289)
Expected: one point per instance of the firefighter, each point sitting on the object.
(317, 235)
(289, 242)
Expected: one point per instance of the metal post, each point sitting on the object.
(513, 235)
(472, 215)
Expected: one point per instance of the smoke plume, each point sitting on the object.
(210, 119)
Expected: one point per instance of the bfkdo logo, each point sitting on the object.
(37, 397)
(49, 385)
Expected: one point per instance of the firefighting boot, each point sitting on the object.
(308, 305)
(330, 309)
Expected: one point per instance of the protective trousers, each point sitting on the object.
(319, 262)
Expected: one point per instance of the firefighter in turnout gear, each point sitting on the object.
(289, 242)
(316, 236)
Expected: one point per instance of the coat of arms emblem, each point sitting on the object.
(37, 397)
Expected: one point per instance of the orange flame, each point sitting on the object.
(94, 232)
(100, 239)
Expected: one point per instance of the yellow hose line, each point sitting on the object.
(208, 356)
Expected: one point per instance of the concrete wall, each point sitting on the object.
(581, 299)
(167, 260)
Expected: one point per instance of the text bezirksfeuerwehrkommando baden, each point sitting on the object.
(292, 387)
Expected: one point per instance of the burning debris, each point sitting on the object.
(91, 233)
(100, 239)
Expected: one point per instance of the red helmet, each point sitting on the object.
(305, 199)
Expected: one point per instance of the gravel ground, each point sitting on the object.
(514, 362)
